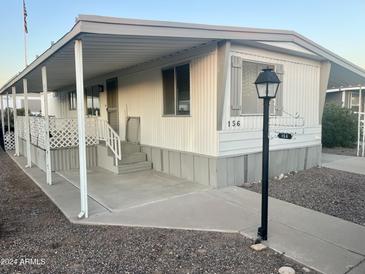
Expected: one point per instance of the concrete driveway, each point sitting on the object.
(344, 163)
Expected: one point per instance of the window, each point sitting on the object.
(176, 90)
(72, 101)
(354, 101)
(92, 100)
(251, 104)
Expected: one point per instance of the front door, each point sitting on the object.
(112, 103)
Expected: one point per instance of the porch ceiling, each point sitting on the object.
(103, 54)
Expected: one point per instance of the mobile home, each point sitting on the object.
(348, 97)
(129, 95)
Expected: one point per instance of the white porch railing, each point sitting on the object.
(64, 133)
(106, 133)
(286, 121)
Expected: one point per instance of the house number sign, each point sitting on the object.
(234, 123)
(284, 135)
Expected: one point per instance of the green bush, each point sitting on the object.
(339, 126)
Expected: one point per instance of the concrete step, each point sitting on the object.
(134, 157)
(134, 167)
(129, 148)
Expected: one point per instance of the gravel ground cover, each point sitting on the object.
(334, 192)
(340, 151)
(36, 238)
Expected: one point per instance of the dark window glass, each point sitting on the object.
(183, 89)
(176, 90)
(72, 100)
(168, 91)
(92, 101)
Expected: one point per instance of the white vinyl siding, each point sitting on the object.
(300, 97)
(141, 95)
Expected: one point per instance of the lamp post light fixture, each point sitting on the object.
(267, 85)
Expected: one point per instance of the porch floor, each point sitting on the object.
(119, 192)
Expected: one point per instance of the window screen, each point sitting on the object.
(251, 104)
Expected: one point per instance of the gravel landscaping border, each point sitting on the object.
(36, 238)
(337, 193)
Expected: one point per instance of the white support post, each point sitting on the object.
(8, 111)
(358, 126)
(362, 124)
(81, 127)
(27, 126)
(15, 116)
(46, 125)
(2, 118)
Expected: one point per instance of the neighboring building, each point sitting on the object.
(352, 98)
(347, 97)
(181, 98)
(34, 102)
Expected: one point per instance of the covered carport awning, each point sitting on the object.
(102, 54)
(113, 44)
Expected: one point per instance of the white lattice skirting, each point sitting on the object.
(9, 141)
(63, 131)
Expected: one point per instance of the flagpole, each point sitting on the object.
(25, 49)
(25, 29)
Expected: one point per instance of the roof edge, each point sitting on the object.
(227, 32)
(173, 24)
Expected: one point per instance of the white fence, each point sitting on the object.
(63, 133)
(361, 134)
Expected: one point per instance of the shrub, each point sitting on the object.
(339, 126)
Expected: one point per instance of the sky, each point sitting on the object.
(337, 25)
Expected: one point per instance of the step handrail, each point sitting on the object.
(106, 133)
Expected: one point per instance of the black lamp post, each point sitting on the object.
(267, 84)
